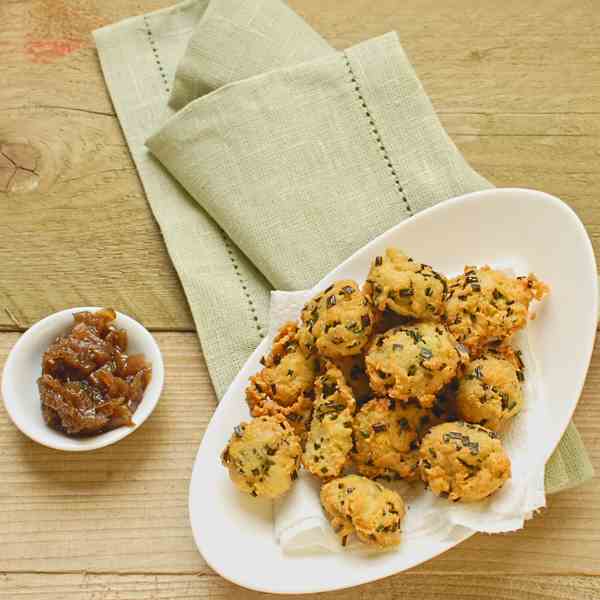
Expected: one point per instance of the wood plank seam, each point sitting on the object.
(193, 573)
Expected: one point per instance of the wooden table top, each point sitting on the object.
(517, 85)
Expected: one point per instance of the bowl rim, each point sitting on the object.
(134, 329)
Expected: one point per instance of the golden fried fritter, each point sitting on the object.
(386, 434)
(413, 361)
(263, 456)
(285, 384)
(329, 439)
(489, 393)
(484, 306)
(337, 322)
(358, 505)
(463, 462)
(406, 287)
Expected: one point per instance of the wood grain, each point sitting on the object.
(83, 234)
(211, 587)
(124, 508)
(516, 83)
(77, 229)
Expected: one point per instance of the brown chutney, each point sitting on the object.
(89, 384)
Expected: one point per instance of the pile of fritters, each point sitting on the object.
(409, 377)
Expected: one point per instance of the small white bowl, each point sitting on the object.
(24, 366)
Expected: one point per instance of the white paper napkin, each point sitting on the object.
(299, 522)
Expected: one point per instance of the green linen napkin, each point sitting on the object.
(299, 163)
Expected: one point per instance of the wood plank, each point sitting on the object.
(81, 586)
(79, 232)
(507, 82)
(124, 508)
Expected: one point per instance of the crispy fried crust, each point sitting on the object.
(408, 288)
(489, 393)
(285, 384)
(413, 361)
(386, 437)
(484, 306)
(463, 462)
(358, 505)
(263, 456)
(337, 322)
(329, 439)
